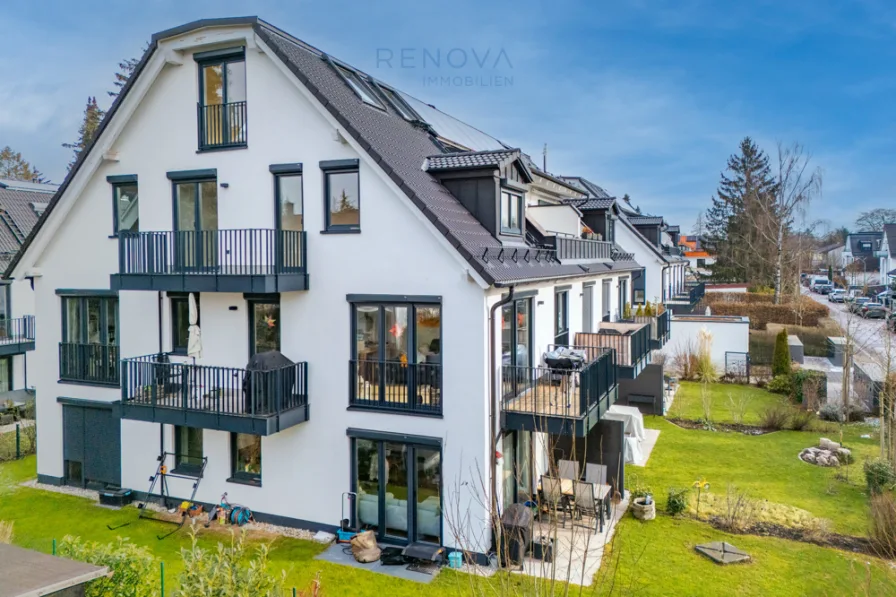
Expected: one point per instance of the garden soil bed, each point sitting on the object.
(735, 427)
(837, 541)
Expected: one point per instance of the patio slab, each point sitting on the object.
(341, 553)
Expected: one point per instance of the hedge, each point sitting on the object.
(809, 313)
(712, 298)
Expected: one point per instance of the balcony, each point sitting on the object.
(414, 389)
(660, 328)
(222, 126)
(690, 295)
(16, 335)
(570, 248)
(559, 401)
(156, 390)
(94, 364)
(631, 341)
(253, 260)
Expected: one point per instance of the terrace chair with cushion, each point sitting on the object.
(552, 493)
(584, 503)
(569, 469)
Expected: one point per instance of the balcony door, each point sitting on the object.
(196, 225)
(290, 220)
(606, 292)
(561, 318)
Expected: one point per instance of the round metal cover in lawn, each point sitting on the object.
(722, 552)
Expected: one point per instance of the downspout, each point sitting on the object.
(492, 403)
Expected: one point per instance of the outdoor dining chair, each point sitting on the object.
(552, 492)
(597, 475)
(569, 469)
(584, 504)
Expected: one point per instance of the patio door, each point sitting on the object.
(623, 296)
(517, 467)
(290, 221)
(588, 308)
(561, 317)
(196, 225)
(398, 486)
(606, 293)
(516, 346)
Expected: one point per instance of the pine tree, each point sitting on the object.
(13, 166)
(126, 68)
(93, 116)
(781, 356)
(739, 207)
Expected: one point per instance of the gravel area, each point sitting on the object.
(75, 491)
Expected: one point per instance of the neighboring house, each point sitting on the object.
(861, 258)
(649, 239)
(698, 258)
(21, 204)
(307, 208)
(829, 256)
(887, 265)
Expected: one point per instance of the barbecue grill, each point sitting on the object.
(562, 361)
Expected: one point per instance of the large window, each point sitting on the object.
(180, 322)
(89, 349)
(288, 190)
(343, 198)
(264, 326)
(5, 374)
(397, 356)
(516, 345)
(188, 449)
(561, 317)
(125, 203)
(399, 488)
(222, 99)
(511, 213)
(245, 451)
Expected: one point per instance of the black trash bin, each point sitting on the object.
(516, 526)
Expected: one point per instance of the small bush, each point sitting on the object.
(883, 524)
(831, 412)
(781, 359)
(801, 420)
(638, 489)
(678, 500)
(775, 416)
(780, 384)
(879, 476)
(135, 572)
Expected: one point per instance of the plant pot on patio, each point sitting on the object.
(642, 510)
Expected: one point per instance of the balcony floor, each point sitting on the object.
(217, 281)
(546, 400)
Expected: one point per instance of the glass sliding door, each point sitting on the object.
(367, 483)
(264, 326)
(397, 494)
(196, 219)
(517, 469)
(516, 345)
(429, 494)
(290, 220)
(561, 318)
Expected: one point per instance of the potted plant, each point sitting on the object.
(643, 505)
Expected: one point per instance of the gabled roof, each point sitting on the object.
(595, 204)
(645, 220)
(19, 207)
(855, 238)
(466, 160)
(586, 185)
(890, 233)
(398, 146)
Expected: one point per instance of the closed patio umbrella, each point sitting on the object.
(194, 340)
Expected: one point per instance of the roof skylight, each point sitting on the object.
(359, 86)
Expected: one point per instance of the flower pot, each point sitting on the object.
(643, 511)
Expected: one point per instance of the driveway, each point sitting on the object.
(870, 336)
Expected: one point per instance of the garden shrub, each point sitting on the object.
(781, 358)
(882, 532)
(638, 489)
(228, 571)
(775, 416)
(806, 313)
(808, 383)
(678, 500)
(801, 420)
(135, 572)
(835, 413)
(780, 384)
(879, 476)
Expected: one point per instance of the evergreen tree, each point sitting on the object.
(699, 228)
(781, 356)
(126, 68)
(13, 166)
(93, 116)
(739, 209)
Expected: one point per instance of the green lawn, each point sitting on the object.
(658, 558)
(688, 403)
(766, 466)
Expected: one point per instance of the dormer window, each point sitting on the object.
(222, 99)
(864, 246)
(511, 213)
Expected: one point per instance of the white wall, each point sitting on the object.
(729, 334)
(653, 265)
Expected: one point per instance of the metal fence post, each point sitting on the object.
(162, 576)
(54, 547)
(18, 442)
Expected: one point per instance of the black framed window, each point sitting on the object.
(180, 322)
(623, 297)
(290, 201)
(222, 98)
(90, 320)
(561, 317)
(125, 205)
(511, 213)
(245, 456)
(187, 449)
(5, 301)
(701, 263)
(264, 326)
(342, 193)
(611, 232)
(6, 374)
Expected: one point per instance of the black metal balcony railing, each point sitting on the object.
(89, 363)
(396, 386)
(695, 291)
(631, 341)
(219, 252)
(660, 327)
(154, 382)
(17, 331)
(580, 248)
(533, 393)
(222, 125)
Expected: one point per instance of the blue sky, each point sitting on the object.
(646, 97)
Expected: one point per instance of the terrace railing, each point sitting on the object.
(218, 252)
(155, 381)
(89, 363)
(18, 330)
(395, 386)
(222, 125)
(570, 248)
(660, 326)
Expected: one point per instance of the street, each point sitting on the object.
(870, 336)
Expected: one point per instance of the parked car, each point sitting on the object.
(891, 322)
(836, 295)
(873, 311)
(824, 288)
(818, 281)
(857, 303)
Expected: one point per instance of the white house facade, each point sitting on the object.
(274, 276)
